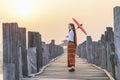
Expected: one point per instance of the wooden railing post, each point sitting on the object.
(109, 36)
(34, 40)
(51, 49)
(117, 40)
(46, 53)
(10, 51)
(89, 51)
(99, 52)
(22, 45)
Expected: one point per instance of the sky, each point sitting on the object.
(51, 17)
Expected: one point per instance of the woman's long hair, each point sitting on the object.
(75, 37)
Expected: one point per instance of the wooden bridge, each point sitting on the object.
(41, 61)
(58, 70)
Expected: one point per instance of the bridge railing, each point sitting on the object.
(20, 61)
(106, 51)
(100, 52)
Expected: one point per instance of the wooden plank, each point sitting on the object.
(31, 79)
(106, 72)
(73, 78)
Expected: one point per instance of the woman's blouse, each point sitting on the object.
(71, 35)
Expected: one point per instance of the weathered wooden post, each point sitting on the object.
(99, 54)
(10, 51)
(89, 49)
(109, 36)
(55, 50)
(32, 61)
(83, 50)
(103, 52)
(60, 50)
(51, 49)
(22, 45)
(94, 48)
(112, 58)
(46, 54)
(79, 50)
(117, 40)
(34, 40)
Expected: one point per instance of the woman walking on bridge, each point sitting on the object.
(72, 43)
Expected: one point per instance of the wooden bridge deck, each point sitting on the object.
(58, 70)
